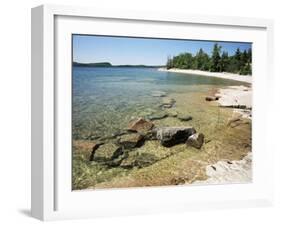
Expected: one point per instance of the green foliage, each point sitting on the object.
(224, 62)
(201, 61)
(240, 62)
(216, 58)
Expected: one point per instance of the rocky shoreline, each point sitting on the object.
(229, 172)
(239, 98)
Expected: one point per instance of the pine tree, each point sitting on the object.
(238, 63)
(224, 63)
(216, 58)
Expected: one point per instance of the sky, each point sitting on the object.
(148, 51)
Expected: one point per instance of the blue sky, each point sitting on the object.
(121, 50)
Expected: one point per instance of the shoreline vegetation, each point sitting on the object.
(219, 64)
(217, 61)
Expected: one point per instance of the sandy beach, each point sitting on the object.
(224, 75)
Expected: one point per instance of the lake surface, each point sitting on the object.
(106, 99)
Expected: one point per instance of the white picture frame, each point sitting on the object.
(52, 197)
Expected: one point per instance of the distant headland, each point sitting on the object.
(108, 64)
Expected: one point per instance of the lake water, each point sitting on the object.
(106, 99)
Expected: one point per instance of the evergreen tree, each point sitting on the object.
(249, 55)
(216, 58)
(238, 63)
(224, 61)
(244, 58)
(201, 61)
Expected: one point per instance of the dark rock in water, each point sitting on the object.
(211, 98)
(140, 125)
(196, 140)
(131, 140)
(106, 152)
(158, 116)
(139, 160)
(158, 94)
(185, 117)
(169, 136)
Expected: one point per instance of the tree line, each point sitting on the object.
(218, 61)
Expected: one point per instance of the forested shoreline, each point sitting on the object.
(217, 61)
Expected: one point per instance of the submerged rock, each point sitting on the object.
(211, 98)
(166, 105)
(185, 117)
(131, 140)
(169, 136)
(158, 94)
(139, 160)
(106, 152)
(196, 140)
(172, 113)
(158, 116)
(151, 135)
(167, 102)
(140, 125)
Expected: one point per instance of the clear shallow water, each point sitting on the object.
(105, 99)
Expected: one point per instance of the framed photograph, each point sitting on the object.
(137, 112)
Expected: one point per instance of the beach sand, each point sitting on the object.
(224, 75)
